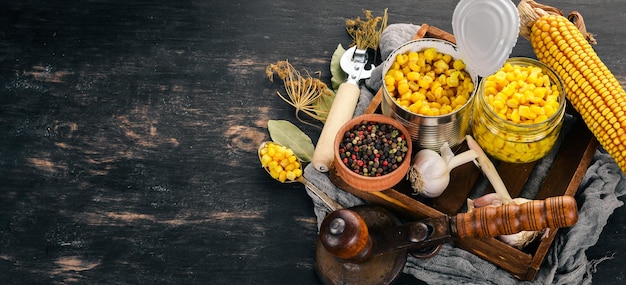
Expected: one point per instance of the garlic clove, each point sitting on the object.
(520, 240)
(491, 199)
(446, 152)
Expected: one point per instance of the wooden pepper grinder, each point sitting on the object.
(368, 245)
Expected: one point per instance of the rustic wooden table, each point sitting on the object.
(128, 132)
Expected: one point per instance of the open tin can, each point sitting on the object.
(430, 131)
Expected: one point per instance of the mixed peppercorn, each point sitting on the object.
(373, 149)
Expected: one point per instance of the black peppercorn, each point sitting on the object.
(373, 149)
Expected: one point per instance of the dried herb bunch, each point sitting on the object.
(307, 94)
(366, 32)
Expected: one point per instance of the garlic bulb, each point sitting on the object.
(430, 172)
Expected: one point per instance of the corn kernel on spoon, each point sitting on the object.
(330, 203)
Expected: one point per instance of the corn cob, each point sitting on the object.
(590, 87)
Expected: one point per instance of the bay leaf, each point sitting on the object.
(323, 104)
(289, 135)
(338, 75)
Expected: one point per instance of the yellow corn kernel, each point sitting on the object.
(498, 105)
(412, 76)
(404, 103)
(446, 58)
(406, 69)
(445, 109)
(542, 92)
(290, 167)
(395, 66)
(500, 78)
(441, 99)
(403, 87)
(525, 112)
(397, 74)
(434, 112)
(282, 176)
(290, 175)
(434, 105)
(429, 72)
(265, 159)
(425, 81)
(540, 118)
(468, 84)
(429, 54)
(274, 173)
(284, 162)
(512, 103)
(279, 168)
(440, 66)
(458, 65)
(415, 107)
(271, 151)
(279, 155)
(389, 80)
(417, 97)
(406, 96)
(453, 80)
(272, 164)
(263, 151)
(401, 59)
(460, 100)
(537, 110)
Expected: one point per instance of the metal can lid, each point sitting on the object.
(486, 32)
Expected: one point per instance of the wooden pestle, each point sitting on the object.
(553, 212)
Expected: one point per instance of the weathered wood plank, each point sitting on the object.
(128, 132)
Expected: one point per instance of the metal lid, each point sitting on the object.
(486, 32)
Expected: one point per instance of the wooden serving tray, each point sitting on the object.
(563, 178)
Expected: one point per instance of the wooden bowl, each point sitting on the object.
(371, 183)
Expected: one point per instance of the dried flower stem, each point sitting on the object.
(366, 33)
(303, 92)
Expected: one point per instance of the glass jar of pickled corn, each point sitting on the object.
(518, 111)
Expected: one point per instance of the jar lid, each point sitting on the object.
(486, 32)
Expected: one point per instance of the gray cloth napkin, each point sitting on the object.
(565, 263)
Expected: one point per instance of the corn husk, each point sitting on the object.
(530, 11)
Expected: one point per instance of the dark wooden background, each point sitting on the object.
(128, 132)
